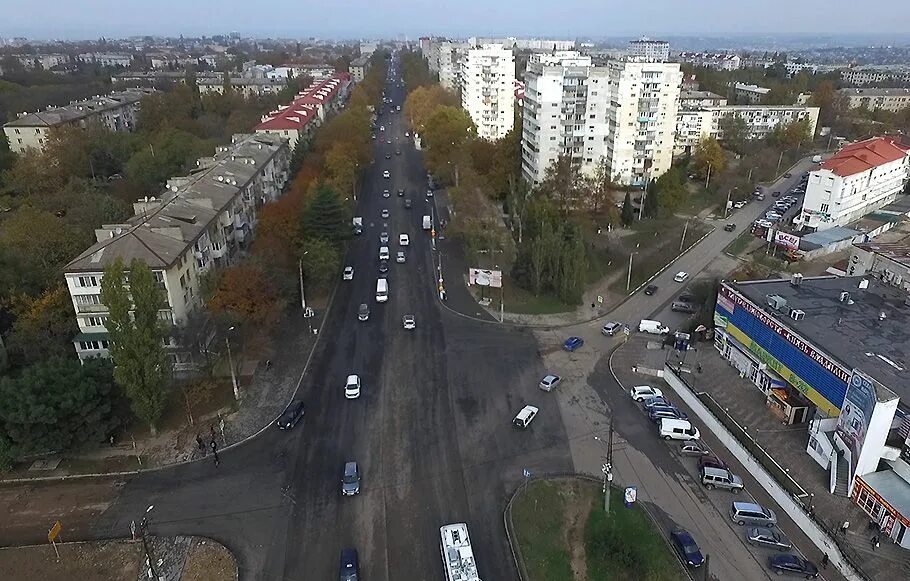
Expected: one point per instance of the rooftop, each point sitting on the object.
(898, 252)
(698, 95)
(751, 88)
(77, 110)
(865, 155)
(851, 332)
(304, 106)
(892, 488)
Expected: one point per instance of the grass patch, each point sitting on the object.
(564, 535)
(739, 244)
(524, 302)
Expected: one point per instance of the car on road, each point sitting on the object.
(385, 193)
(793, 565)
(349, 569)
(788, 175)
(400, 257)
(383, 266)
(681, 276)
(525, 416)
(383, 237)
(768, 538)
(429, 193)
(348, 273)
(407, 204)
(350, 479)
(382, 127)
(386, 174)
(397, 152)
(400, 192)
(611, 328)
(692, 448)
(352, 387)
(291, 415)
(388, 142)
(687, 548)
(683, 307)
(650, 289)
(550, 382)
(363, 312)
(384, 213)
(388, 156)
(403, 240)
(642, 392)
(573, 343)
(409, 322)
(730, 227)
(760, 197)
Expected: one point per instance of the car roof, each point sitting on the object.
(352, 377)
(528, 409)
(550, 376)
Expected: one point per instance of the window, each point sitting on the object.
(824, 208)
(85, 281)
(88, 299)
(94, 321)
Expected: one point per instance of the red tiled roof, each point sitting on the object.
(864, 155)
(304, 106)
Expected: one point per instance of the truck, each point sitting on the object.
(427, 222)
(652, 327)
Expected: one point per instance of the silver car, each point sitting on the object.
(768, 538)
(350, 479)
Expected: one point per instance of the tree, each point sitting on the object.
(708, 154)
(321, 261)
(41, 241)
(600, 185)
(245, 293)
(445, 133)
(627, 216)
(735, 132)
(58, 404)
(422, 103)
(137, 336)
(325, 217)
(44, 326)
(826, 99)
(342, 167)
(792, 135)
(7, 157)
(651, 201)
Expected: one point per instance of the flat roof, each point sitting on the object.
(892, 488)
(852, 333)
(699, 95)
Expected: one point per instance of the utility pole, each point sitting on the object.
(227, 341)
(607, 467)
(727, 205)
(749, 179)
(300, 273)
(779, 161)
(683, 241)
(629, 277)
(708, 177)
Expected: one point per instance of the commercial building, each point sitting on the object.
(648, 49)
(358, 68)
(885, 99)
(750, 93)
(117, 111)
(689, 100)
(858, 179)
(833, 350)
(487, 91)
(710, 60)
(299, 119)
(564, 113)
(200, 221)
(693, 125)
(245, 85)
(643, 103)
(888, 261)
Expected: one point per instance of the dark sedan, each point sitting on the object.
(650, 289)
(687, 548)
(711, 462)
(291, 416)
(792, 565)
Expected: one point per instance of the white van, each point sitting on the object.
(652, 327)
(427, 223)
(383, 253)
(382, 290)
(673, 429)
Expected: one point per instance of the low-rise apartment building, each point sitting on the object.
(42, 61)
(858, 179)
(750, 93)
(487, 90)
(710, 60)
(200, 221)
(297, 120)
(869, 76)
(693, 125)
(885, 99)
(117, 111)
(689, 100)
(358, 68)
(247, 86)
(106, 59)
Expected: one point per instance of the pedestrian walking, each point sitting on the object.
(874, 542)
(825, 561)
(212, 430)
(217, 460)
(112, 440)
(214, 446)
(844, 527)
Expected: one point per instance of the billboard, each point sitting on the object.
(856, 415)
(484, 277)
(788, 241)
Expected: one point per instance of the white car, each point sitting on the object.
(385, 174)
(403, 240)
(409, 322)
(400, 257)
(681, 276)
(525, 416)
(352, 387)
(382, 127)
(385, 193)
(348, 273)
(643, 392)
(739, 205)
(611, 328)
(384, 238)
(383, 253)
(550, 382)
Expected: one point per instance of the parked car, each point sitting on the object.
(788, 175)
(687, 548)
(711, 461)
(740, 204)
(642, 392)
(611, 328)
(692, 448)
(657, 400)
(290, 416)
(525, 416)
(350, 479)
(650, 289)
(657, 413)
(775, 195)
(550, 382)
(573, 343)
(793, 565)
(721, 478)
(730, 227)
(768, 538)
(683, 307)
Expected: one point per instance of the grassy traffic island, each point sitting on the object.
(563, 535)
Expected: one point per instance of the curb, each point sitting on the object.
(185, 462)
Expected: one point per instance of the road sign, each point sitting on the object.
(54, 532)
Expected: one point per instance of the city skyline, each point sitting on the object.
(90, 19)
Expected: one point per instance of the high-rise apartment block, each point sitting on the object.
(652, 50)
(487, 89)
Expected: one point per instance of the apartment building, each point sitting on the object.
(487, 89)
(246, 85)
(533, 44)
(750, 93)
(710, 60)
(117, 111)
(648, 49)
(564, 113)
(858, 179)
(448, 63)
(42, 61)
(300, 118)
(689, 100)
(869, 76)
(885, 99)
(106, 59)
(695, 124)
(201, 221)
(358, 68)
(641, 118)
(368, 48)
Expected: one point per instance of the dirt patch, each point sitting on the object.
(102, 561)
(208, 561)
(578, 500)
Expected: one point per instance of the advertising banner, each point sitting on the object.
(853, 422)
(788, 241)
(484, 277)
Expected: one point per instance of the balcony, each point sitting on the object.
(91, 308)
(218, 252)
(239, 235)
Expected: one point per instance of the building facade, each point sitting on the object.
(246, 86)
(872, 99)
(106, 59)
(859, 179)
(358, 68)
(116, 111)
(487, 89)
(201, 221)
(689, 100)
(869, 76)
(532, 44)
(641, 119)
(564, 113)
(718, 61)
(648, 49)
(448, 63)
(693, 125)
(889, 262)
(751, 94)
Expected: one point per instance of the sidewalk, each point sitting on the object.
(264, 396)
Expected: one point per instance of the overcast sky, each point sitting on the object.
(87, 19)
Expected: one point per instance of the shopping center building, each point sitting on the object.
(833, 352)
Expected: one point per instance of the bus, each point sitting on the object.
(457, 556)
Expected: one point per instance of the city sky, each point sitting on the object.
(89, 19)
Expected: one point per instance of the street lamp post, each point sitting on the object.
(143, 529)
(629, 277)
(607, 467)
(727, 206)
(227, 341)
